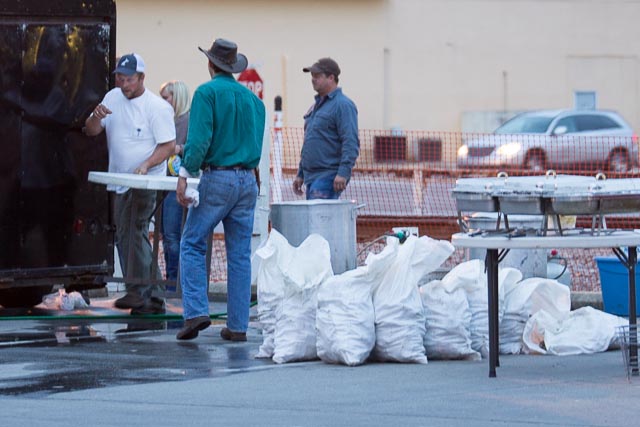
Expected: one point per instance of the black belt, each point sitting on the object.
(224, 168)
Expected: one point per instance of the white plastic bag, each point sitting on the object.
(273, 256)
(448, 319)
(471, 277)
(345, 321)
(295, 315)
(582, 331)
(524, 299)
(399, 314)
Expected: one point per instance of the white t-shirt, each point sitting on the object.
(134, 128)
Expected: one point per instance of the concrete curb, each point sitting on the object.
(583, 299)
(218, 292)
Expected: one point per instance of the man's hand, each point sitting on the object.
(93, 126)
(159, 155)
(297, 185)
(101, 111)
(181, 190)
(339, 183)
(141, 170)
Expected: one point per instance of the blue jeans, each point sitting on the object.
(322, 188)
(228, 196)
(171, 233)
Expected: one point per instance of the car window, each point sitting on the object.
(569, 122)
(525, 124)
(593, 122)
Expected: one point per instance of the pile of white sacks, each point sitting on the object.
(379, 312)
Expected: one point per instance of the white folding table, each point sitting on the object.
(143, 182)
(498, 244)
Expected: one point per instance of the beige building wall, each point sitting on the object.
(413, 64)
(477, 55)
(278, 37)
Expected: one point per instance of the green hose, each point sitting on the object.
(113, 316)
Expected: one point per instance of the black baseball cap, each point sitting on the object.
(324, 65)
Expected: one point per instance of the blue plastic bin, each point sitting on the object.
(614, 280)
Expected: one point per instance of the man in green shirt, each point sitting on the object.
(226, 130)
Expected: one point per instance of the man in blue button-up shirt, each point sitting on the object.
(331, 145)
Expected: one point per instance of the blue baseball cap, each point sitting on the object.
(130, 64)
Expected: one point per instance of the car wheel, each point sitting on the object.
(535, 162)
(619, 161)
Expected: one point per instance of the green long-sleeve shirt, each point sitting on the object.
(226, 126)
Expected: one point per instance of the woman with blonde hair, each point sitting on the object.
(176, 93)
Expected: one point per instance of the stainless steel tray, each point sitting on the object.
(521, 204)
(567, 195)
(476, 202)
(574, 205)
(619, 203)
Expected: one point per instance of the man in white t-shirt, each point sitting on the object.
(140, 137)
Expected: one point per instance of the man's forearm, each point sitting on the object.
(160, 154)
(92, 126)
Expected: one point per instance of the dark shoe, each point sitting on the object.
(192, 326)
(153, 306)
(229, 335)
(129, 301)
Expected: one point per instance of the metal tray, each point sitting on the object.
(619, 203)
(476, 202)
(521, 204)
(574, 205)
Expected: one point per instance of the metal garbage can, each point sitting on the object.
(531, 262)
(335, 220)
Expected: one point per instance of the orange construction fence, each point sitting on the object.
(406, 179)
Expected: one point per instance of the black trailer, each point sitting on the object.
(55, 227)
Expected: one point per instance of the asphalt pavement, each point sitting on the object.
(108, 369)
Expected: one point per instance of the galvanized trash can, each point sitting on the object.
(335, 220)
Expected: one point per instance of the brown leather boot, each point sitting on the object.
(192, 326)
(229, 335)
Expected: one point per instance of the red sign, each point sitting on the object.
(252, 80)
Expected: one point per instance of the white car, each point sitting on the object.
(580, 140)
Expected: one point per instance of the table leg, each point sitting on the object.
(491, 262)
(178, 291)
(156, 234)
(633, 331)
(132, 227)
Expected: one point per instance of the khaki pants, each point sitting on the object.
(137, 239)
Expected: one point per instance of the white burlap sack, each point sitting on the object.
(471, 277)
(295, 327)
(345, 321)
(582, 331)
(448, 321)
(523, 300)
(273, 255)
(399, 314)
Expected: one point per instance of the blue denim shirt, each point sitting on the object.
(331, 145)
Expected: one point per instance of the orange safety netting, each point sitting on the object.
(406, 180)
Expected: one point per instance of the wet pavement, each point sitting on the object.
(107, 369)
(45, 351)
